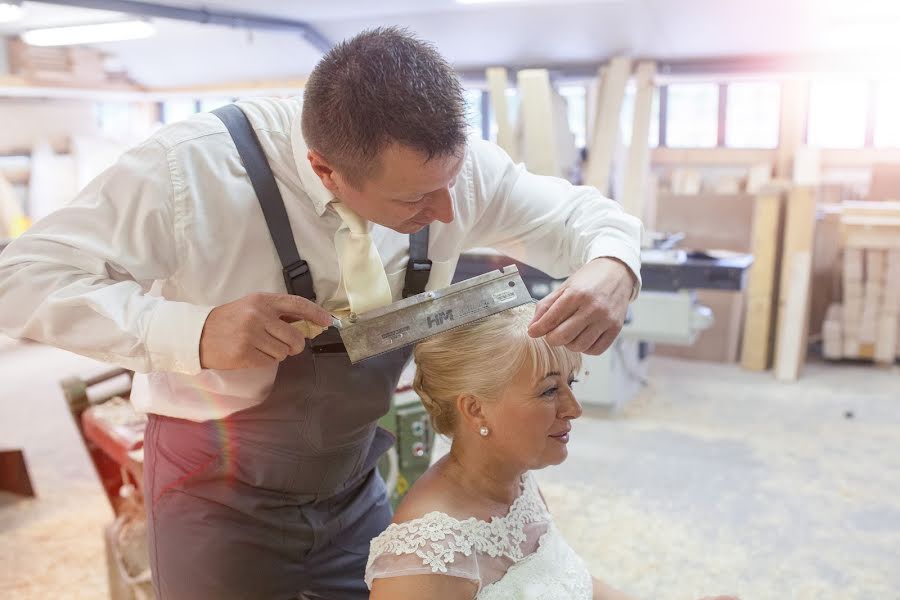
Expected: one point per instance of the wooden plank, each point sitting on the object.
(794, 285)
(606, 122)
(538, 149)
(758, 176)
(886, 343)
(826, 267)
(686, 182)
(891, 305)
(498, 81)
(790, 349)
(711, 157)
(759, 330)
(867, 208)
(866, 351)
(709, 221)
(885, 182)
(873, 225)
(792, 130)
(638, 167)
(884, 238)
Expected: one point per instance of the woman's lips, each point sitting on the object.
(561, 437)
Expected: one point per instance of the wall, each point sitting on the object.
(28, 120)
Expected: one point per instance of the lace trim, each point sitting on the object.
(436, 537)
(552, 572)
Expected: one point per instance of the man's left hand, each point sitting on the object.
(586, 313)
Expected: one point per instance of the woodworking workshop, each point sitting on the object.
(451, 299)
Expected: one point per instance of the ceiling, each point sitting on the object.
(524, 33)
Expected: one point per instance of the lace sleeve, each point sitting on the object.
(433, 544)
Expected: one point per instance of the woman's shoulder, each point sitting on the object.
(436, 509)
(433, 492)
(436, 530)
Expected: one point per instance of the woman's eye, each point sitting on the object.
(572, 382)
(551, 392)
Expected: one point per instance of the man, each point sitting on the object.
(187, 261)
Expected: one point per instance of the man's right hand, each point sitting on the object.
(255, 331)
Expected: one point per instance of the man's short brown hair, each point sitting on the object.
(382, 86)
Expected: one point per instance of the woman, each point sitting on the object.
(475, 525)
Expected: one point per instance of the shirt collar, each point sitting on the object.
(312, 184)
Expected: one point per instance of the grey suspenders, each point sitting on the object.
(297, 278)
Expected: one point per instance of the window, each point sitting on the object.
(178, 110)
(752, 114)
(576, 111)
(693, 115)
(114, 118)
(626, 124)
(211, 104)
(887, 114)
(837, 113)
(473, 111)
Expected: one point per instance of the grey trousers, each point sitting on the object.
(221, 525)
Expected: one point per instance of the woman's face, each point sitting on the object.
(529, 425)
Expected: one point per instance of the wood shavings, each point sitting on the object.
(54, 548)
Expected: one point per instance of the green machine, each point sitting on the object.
(411, 455)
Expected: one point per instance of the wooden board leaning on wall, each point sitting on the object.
(711, 222)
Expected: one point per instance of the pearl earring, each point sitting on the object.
(484, 431)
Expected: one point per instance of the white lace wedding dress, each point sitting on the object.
(521, 555)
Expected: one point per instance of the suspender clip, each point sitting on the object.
(417, 273)
(298, 280)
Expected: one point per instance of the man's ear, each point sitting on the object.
(471, 412)
(321, 168)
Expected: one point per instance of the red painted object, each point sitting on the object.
(114, 435)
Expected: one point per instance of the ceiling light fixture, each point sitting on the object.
(11, 11)
(487, 1)
(116, 31)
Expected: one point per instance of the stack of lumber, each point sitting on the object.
(59, 65)
(865, 326)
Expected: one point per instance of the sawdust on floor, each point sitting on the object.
(53, 547)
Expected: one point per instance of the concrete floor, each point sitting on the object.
(50, 547)
(712, 481)
(720, 481)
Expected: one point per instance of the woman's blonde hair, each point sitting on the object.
(481, 359)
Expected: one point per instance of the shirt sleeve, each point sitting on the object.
(545, 222)
(79, 278)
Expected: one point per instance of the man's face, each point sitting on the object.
(406, 194)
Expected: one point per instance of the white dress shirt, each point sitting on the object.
(129, 270)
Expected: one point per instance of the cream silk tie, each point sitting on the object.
(361, 269)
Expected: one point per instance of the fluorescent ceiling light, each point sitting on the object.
(89, 34)
(543, 2)
(11, 11)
